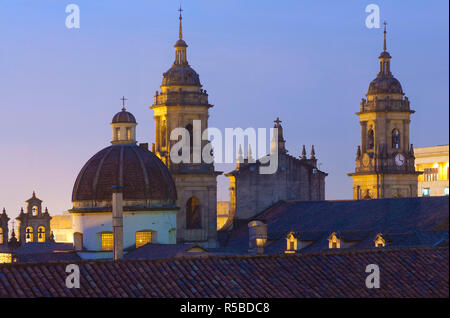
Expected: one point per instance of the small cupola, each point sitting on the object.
(123, 126)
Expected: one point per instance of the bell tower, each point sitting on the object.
(183, 103)
(385, 158)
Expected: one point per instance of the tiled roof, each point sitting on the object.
(155, 251)
(403, 273)
(353, 219)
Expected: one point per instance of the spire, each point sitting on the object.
(303, 156)
(240, 157)
(180, 46)
(250, 155)
(181, 24)
(313, 153)
(384, 44)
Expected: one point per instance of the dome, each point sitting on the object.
(123, 117)
(181, 75)
(180, 43)
(385, 85)
(142, 174)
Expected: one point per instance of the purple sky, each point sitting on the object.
(308, 62)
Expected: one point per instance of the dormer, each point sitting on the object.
(334, 241)
(379, 240)
(291, 243)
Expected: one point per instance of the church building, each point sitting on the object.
(294, 179)
(385, 159)
(149, 195)
(181, 101)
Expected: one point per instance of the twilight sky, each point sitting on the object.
(308, 62)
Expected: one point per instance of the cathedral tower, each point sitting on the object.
(181, 101)
(385, 159)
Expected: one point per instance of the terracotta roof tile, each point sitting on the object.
(416, 272)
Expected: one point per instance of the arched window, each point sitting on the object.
(128, 133)
(34, 210)
(193, 214)
(395, 139)
(29, 234)
(144, 237)
(41, 234)
(1, 235)
(191, 137)
(370, 139)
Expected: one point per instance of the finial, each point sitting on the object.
(123, 99)
(34, 194)
(303, 152)
(181, 25)
(240, 158)
(384, 44)
(4, 211)
(249, 154)
(313, 153)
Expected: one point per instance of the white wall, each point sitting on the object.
(90, 224)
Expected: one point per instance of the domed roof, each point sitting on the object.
(142, 175)
(124, 117)
(181, 75)
(385, 85)
(180, 43)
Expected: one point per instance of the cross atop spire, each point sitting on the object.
(123, 99)
(277, 122)
(181, 25)
(384, 44)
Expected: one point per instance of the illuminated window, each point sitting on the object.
(117, 133)
(334, 241)
(143, 237)
(128, 133)
(446, 191)
(426, 192)
(193, 214)
(41, 234)
(107, 241)
(29, 234)
(395, 139)
(291, 243)
(431, 174)
(1, 235)
(379, 241)
(34, 210)
(5, 258)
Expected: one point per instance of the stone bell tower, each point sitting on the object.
(385, 159)
(183, 103)
(34, 225)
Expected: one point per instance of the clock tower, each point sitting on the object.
(385, 159)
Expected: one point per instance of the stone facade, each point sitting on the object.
(385, 159)
(180, 102)
(433, 162)
(295, 179)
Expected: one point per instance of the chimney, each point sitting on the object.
(117, 221)
(257, 234)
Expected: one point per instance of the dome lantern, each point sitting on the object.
(123, 126)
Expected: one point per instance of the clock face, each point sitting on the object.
(399, 160)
